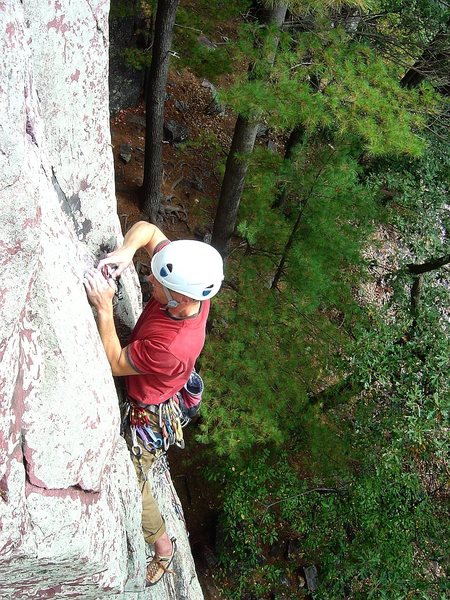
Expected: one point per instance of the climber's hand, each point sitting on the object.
(99, 290)
(120, 258)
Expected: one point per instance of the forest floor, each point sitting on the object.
(192, 184)
(191, 179)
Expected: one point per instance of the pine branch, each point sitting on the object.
(292, 236)
(186, 27)
(389, 40)
(255, 250)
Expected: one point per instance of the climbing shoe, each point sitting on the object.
(159, 566)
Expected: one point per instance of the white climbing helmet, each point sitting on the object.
(189, 267)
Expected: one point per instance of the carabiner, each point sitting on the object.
(155, 438)
(135, 448)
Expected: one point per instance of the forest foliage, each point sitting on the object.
(329, 410)
(326, 420)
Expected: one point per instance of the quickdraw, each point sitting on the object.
(171, 421)
(152, 441)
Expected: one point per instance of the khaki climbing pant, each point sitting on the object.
(153, 525)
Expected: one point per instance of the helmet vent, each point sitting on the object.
(164, 271)
(208, 290)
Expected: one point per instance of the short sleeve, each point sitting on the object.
(152, 358)
(160, 246)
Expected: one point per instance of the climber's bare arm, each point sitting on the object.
(141, 235)
(100, 293)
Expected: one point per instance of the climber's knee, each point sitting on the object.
(153, 529)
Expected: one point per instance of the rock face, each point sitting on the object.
(69, 502)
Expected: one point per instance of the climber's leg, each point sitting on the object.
(153, 525)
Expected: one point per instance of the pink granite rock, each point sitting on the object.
(69, 502)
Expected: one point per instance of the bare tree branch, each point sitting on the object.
(430, 265)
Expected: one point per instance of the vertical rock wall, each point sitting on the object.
(69, 503)
(69, 508)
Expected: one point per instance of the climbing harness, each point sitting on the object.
(156, 427)
(164, 430)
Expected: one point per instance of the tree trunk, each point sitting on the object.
(148, 24)
(429, 265)
(433, 63)
(295, 138)
(153, 169)
(233, 183)
(416, 290)
(243, 142)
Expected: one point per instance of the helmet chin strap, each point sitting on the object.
(171, 302)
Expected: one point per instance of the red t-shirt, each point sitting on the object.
(163, 350)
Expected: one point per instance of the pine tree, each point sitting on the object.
(270, 20)
(156, 83)
(360, 480)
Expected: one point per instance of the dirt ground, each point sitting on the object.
(191, 180)
(192, 184)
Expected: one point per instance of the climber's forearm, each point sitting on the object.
(115, 354)
(143, 235)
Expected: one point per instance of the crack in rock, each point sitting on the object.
(72, 208)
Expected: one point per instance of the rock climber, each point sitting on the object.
(160, 356)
